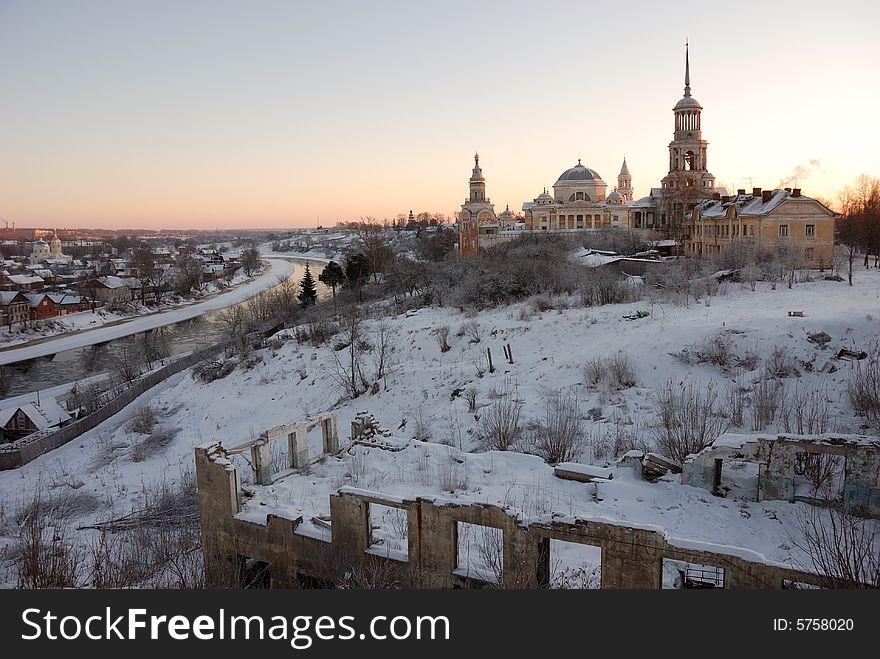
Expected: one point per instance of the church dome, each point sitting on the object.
(615, 198)
(579, 173)
(544, 198)
(688, 103)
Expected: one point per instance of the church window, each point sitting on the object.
(811, 231)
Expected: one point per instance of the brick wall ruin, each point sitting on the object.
(298, 553)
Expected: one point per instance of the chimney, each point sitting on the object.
(725, 199)
(741, 191)
(788, 189)
(756, 192)
(716, 196)
(796, 192)
(765, 196)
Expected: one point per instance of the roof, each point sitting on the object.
(63, 299)
(45, 415)
(25, 279)
(112, 282)
(688, 103)
(579, 173)
(748, 204)
(7, 297)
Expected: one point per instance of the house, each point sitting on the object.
(765, 219)
(14, 308)
(18, 422)
(66, 303)
(41, 306)
(112, 290)
(21, 282)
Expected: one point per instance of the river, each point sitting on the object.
(71, 365)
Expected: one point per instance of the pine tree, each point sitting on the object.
(307, 294)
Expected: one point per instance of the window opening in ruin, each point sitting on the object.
(479, 552)
(389, 535)
(574, 565)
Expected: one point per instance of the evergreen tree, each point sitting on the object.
(332, 276)
(307, 294)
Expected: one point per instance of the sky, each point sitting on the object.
(216, 114)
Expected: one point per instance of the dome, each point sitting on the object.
(688, 103)
(579, 173)
(614, 198)
(544, 198)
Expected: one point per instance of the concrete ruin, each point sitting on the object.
(338, 549)
(781, 461)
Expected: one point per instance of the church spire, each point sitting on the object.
(687, 71)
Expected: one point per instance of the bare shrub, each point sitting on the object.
(616, 371)
(736, 402)
(442, 336)
(143, 420)
(766, 396)
(715, 349)
(620, 436)
(500, 426)
(621, 374)
(471, 329)
(470, 395)
(42, 552)
(863, 388)
(593, 371)
(780, 364)
(805, 412)
(689, 418)
(559, 436)
(422, 431)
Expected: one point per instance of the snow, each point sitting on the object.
(295, 382)
(279, 267)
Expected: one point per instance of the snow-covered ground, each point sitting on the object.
(125, 326)
(292, 382)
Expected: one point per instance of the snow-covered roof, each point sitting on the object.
(6, 297)
(24, 280)
(112, 282)
(45, 415)
(62, 299)
(747, 204)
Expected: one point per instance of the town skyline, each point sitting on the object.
(160, 124)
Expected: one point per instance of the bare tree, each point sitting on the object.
(347, 367)
(384, 336)
(839, 546)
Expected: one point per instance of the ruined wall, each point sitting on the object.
(631, 557)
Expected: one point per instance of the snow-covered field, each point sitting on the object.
(292, 382)
(100, 329)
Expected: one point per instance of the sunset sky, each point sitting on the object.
(211, 114)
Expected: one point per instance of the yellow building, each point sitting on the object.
(765, 218)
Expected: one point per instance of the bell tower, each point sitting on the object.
(477, 183)
(687, 150)
(624, 182)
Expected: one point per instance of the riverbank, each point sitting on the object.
(279, 267)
